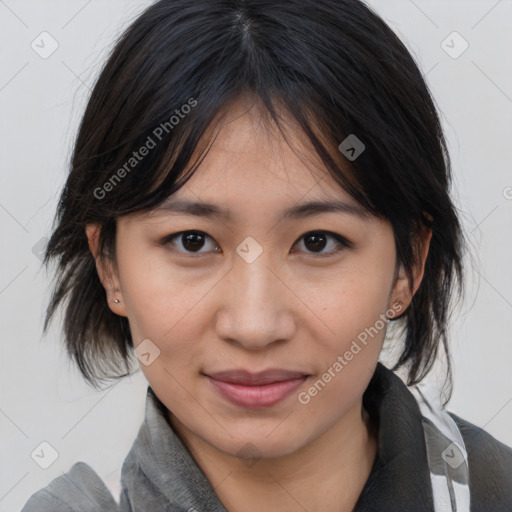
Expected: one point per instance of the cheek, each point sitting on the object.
(160, 301)
(353, 304)
(353, 309)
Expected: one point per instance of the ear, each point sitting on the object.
(401, 291)
(107, 272)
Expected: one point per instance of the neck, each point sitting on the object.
(327, 474)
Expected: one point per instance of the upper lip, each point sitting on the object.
(248, 378)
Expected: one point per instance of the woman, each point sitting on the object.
(259, 194)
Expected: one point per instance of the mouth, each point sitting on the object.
(256, 391)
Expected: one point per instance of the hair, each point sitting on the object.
(335, 66)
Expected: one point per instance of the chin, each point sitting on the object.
(257, 445)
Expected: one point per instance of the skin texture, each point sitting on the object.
(291, 308)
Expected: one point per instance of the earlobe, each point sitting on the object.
(106, 272)
(402, 292)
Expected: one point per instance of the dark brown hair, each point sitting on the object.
(334, 65)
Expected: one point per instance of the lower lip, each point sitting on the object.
(256, 397)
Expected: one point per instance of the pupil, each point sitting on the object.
(192, 239)
(318, 241)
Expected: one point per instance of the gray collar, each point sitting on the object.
(160, 473)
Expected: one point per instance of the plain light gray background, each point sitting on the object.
(43, 398)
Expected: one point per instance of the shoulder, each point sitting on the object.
(490, 467)
(80, 489)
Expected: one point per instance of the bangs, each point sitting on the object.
(176, 147)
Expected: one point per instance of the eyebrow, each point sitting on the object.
(299, 211)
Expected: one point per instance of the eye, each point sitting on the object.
(316, 241)
(190, 241)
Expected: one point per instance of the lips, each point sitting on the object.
(256, 390)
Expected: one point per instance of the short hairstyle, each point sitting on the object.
(335, 66)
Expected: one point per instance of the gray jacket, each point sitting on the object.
(159, 473)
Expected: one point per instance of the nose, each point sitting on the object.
(255, 306)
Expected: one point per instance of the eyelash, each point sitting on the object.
(343, 242)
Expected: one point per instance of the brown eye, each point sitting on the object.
(189, 241)
(317, 241)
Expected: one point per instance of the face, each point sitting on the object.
(257, 290)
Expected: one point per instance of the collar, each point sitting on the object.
(400, 477)
(160, 473)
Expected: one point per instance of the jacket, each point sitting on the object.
(427, 460)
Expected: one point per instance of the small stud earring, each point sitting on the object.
(117, 301)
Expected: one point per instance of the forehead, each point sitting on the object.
(249, 155)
